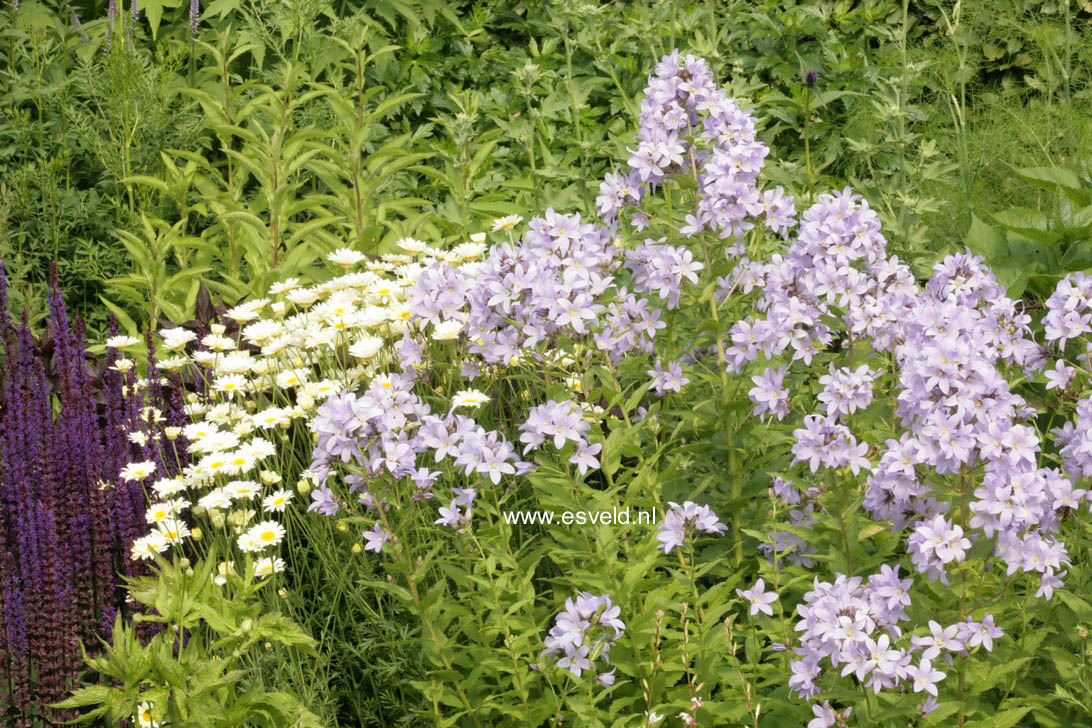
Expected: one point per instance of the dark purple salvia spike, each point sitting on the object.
(134, 15)
(71, 459)
(67, 519)
(102, 551)
(53, 647)
(14, 672)
(116, 454)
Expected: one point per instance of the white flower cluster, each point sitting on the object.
(264, 378)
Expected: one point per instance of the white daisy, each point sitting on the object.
(469, 398)
(138, 471)
(345, 257)
(506, 223)
(276, 501)
(121, 343)
(268, 565)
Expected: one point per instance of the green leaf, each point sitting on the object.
(123, 318)
(220, 8)
(92, 695)
(1003, 719)
(1080, 607)
(1030, 223)
(1050, 177)
(985, 240)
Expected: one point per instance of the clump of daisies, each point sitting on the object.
(269, 364)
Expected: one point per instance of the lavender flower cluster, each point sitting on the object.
(386, 430)
(689, 125)
(682, 522)
(583, 634)
(549, 287)
(854, 624)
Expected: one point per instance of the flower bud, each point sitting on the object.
(342, 526)
(357, 548)
(303, 487)
(197, 534)
(172, 433)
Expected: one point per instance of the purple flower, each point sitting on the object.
(451, 515)
(846, 391)
(759, 599)
(769, 393)
(671, 380)
(981, 633)
(376, 538)
(584, 632)
(323, 502)
(681, 521)
(939, 640)
(924, 677)
(936, 543)
(585, 456)
(822, 441)
(826, 716)
(561, 420)
(576, 660)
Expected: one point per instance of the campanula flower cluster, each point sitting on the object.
(583, 634)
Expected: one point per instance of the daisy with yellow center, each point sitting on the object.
(267, 566)
(277, 501)
(144, 716)
(121, 343)
(173, 531)
(261, 536)
(146, 547)
(138, 471)
(469, 398)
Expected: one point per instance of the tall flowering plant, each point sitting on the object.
(67, 516)
(858, 505)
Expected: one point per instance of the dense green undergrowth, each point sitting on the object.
(278, 131)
